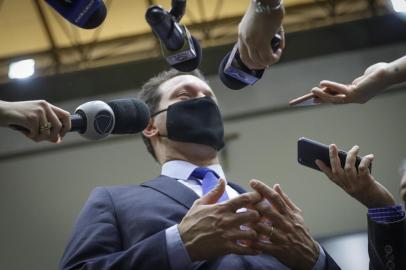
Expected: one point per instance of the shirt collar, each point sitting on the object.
(180, 169)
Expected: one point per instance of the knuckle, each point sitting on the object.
(32, 117)
(57, 125)
(348, 169)
(275, 196)
(42, 102)
(245, 199)
(220, 222)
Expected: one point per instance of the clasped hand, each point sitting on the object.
(211, 230)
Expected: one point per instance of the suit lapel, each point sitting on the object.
(173, 189)
(238, 188)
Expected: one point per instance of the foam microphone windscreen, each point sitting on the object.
(191, 64)
(131, 115)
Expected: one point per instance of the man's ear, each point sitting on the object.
(151, 130)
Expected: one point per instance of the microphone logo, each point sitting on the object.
(103, 122)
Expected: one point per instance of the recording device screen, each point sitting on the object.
(308, 151)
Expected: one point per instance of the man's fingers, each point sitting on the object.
(337, 87)
(349, 167)
(64, 117)
(269, 231)
(244, 217)
(285, 198)
(56, 124)
(282, 34)
(324, 96)
(244, 55)
(335, 161)
(363, 168)
(235, 248)
(238, 234)
(324, 168)
(242, 201)
(265, 209)
(271, 195)
(268, 248)
(214, 195)
(38, 134)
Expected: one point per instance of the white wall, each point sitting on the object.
(41, 194)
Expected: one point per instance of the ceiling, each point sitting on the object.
(32, 29)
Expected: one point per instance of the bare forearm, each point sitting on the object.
(3, 113)
(396, 71)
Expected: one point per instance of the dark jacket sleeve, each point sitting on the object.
(330, 263)
(96, 241)
(387, 245)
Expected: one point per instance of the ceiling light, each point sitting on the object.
(399, 5)
(21, 69)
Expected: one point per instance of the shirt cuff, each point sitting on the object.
(321, 261)
(386, 214)
(177, 253)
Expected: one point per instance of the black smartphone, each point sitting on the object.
(308, 151)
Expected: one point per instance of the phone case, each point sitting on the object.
(308, 151)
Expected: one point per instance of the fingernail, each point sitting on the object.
(276, 186)
(254, 183)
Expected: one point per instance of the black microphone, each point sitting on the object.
(87, 14)
(96, 119)
(180, 49)
(235, 74)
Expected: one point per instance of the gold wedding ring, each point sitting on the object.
(45, 128)
(270, 233)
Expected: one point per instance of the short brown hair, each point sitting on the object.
(150, 95)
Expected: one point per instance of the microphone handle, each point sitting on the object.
(78, 122)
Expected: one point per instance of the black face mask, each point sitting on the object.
(195, 120)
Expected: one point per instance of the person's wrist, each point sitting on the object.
(376, 198)
(4, 112)
(268, 7)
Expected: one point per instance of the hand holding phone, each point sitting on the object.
(347, 170)
(309, 151)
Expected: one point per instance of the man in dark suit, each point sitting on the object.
(386, 220)
(190, 217)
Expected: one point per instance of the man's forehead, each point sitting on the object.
(179, 81)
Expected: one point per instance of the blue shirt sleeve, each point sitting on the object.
(321, 261)
(386, 214)
(177, 253)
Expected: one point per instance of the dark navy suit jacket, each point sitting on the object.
(387, 245)
(123, 227)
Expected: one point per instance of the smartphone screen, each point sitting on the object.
(308, 151)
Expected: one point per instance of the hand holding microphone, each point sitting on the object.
(261, 22)
(235, 74)
(260, 43)
(40, 120)
(36, 119)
